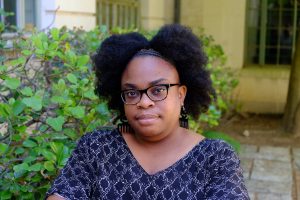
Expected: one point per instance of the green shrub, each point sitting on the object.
(219, 135)
(47, 102)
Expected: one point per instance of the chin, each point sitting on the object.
(147, 131)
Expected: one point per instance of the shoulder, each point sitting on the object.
(217, 151)
(99, 133)
(99, 136)
(218, 146)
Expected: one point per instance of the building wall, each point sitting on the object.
(224, 20)
(70, 13)
(78, 13)
(261, 89)
(155, 13)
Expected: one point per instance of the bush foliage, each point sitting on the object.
(47, 102)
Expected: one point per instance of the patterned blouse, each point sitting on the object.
(103, 167)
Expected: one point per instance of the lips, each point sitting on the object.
(146, 119)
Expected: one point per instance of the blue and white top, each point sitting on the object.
(103, 167)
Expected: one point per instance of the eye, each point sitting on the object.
(158, 90)
(131, 93)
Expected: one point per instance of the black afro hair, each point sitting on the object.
(176, 43)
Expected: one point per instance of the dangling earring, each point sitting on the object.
(124, 125)
(183, 120)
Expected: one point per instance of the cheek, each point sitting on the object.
(128, 111)
(172, 108)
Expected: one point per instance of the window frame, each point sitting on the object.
(260, 43)
(20, 13)
(115, 10)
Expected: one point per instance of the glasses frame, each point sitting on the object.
(144, 91)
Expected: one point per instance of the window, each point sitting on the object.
(118, 13)
(24, 12)
(272, 26)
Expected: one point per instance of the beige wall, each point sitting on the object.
(78, 13)
(75, 13)
(155, 13)
(224, 20)
(262, 89)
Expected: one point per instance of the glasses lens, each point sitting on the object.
(131, 96)
(158, 92)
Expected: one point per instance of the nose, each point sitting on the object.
(145, 101)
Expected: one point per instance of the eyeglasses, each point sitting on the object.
(155, 93)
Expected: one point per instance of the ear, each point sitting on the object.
(182, 90)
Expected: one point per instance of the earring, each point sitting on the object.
(124, 125)
(183, 120)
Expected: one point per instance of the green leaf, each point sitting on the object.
(58, 99)
(58, 136)
(40, 52)
(56, 146)
(84, 81)
(16, 138)
(37, 42)
(61, 151)
(18, 107)
(18, 61)
(56, 123)
(83, 60)
(3, 148)
(72, 78)
(70, 133)
(61, 85)
(5, 110)
(222, 136)
(34, 102)
(78, 111)
(27, 52)
(48, 155)
(3, 68)
(62, 156)
(43, 36)
(29, 143)
(21, 167)
(64, 36)
(36, 167)
(102, 108)
(21, 129)
(45, 45)
(5, 195)
(55, 33)
(90, 94)
(12, 83)
(49, 166)
(71, 57)
(29, 159)
(19, 151)
(27, 91)
(53, 46)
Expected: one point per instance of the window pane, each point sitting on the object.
(10, 6)
(118, 13)
(30, 19)
(271, 31)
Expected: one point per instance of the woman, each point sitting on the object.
(152, 154)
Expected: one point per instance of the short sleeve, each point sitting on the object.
(226, 178)
(77, 177)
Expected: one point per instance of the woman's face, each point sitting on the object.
(153, 120)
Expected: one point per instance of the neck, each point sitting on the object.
(173, 137)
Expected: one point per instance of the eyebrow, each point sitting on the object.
(130, 85)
